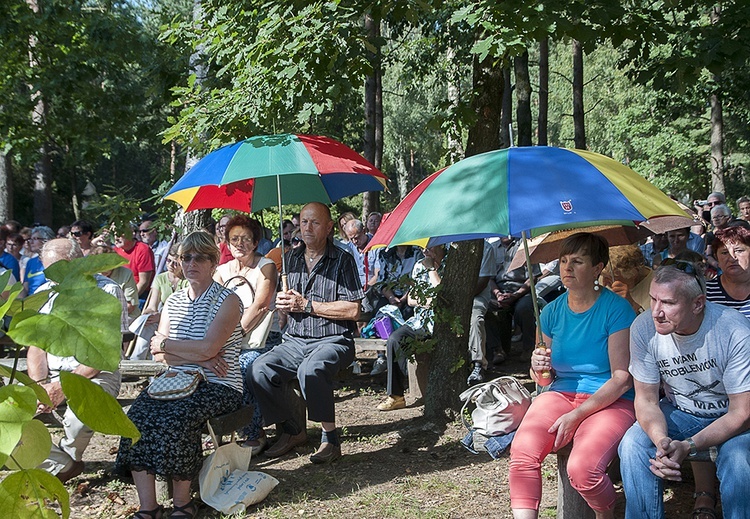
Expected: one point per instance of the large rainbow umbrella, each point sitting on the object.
(522, 191)
(269, 170)
(526, 192)
(263, 171)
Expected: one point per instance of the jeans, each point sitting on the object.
(643, 489)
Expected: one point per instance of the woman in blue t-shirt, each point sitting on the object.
(590, 399)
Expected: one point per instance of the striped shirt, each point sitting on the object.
(189, 320)
(334, 278)
(715, 292)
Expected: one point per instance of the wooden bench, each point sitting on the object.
(570, 504)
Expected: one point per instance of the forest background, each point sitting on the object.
(107, 101)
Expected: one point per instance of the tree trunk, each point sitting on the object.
(543, 92)
(194, 220)
(717, 144)
(444, 381)
(373, 113)
(579, 127)
(6, 188)
(43, 166)
(455, 144)
(43, 186)
(717, 127)
(506, 117)
(523, 98)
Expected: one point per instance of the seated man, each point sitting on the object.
(697, 351)
(322, 306)
(140, 261)
(368, 263)
(477, 331)
(64, 460)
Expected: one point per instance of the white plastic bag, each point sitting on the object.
(225, 483)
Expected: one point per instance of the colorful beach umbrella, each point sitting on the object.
(249, 175)
(531, 190)
(269, 170)
(526, 192)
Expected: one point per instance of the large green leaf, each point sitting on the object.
(96, 408)
(26, 380)
(83, 322)
(32, 303)
(83, 268)
(33, 447)
(17, 406)
(26, 494)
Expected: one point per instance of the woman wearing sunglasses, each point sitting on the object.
(82, 232)
(199, 328)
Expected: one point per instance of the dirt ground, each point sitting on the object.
(395, 464)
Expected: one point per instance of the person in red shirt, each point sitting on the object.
(140, 261)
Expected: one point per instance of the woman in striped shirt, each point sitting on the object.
(199, 328)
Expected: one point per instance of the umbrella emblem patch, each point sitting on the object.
(567, 205)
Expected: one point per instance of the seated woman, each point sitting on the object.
(165, 284)
(253, 278)
(590, 399)
(628, 276)
(732, 289)
(199, 328)
(426, 271)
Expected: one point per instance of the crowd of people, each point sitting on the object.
(645, 347)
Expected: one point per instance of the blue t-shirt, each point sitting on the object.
(580, 355)
(9, 262)
(34, 274)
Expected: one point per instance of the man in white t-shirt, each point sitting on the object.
(699, 352)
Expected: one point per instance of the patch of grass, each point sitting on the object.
(550, 511)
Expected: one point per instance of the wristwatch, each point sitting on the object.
(308, 307)
(693, 447)
(163, 345)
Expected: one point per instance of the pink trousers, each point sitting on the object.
(594, 446)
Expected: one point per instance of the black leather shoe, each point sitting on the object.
(327, 453)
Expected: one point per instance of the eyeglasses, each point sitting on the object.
(236, 240)
(12, 244)
(198, 258)
(77, 234)
(711, 204)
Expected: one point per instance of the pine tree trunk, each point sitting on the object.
(543, 92)
(506, 117)
(6, 187)
(444, 381)
(373, 140)
(523, 98)
(579, 127)
(717, 144)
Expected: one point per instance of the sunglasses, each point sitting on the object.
(685, 266)
(77, 234)
(198, 258)
(144, 231)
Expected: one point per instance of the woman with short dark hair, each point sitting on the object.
(590, 396)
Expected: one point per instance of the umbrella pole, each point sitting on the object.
(284, 283)
(534, 301)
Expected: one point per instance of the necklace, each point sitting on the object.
(312, 259)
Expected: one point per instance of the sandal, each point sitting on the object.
(705, 512)
(156, 513)
(187, 511)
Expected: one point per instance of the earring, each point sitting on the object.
(596, 284)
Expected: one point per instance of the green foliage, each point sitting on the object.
(84, 321)
(93, 336)
(27, 493)
(118, 208)
(96, 408)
